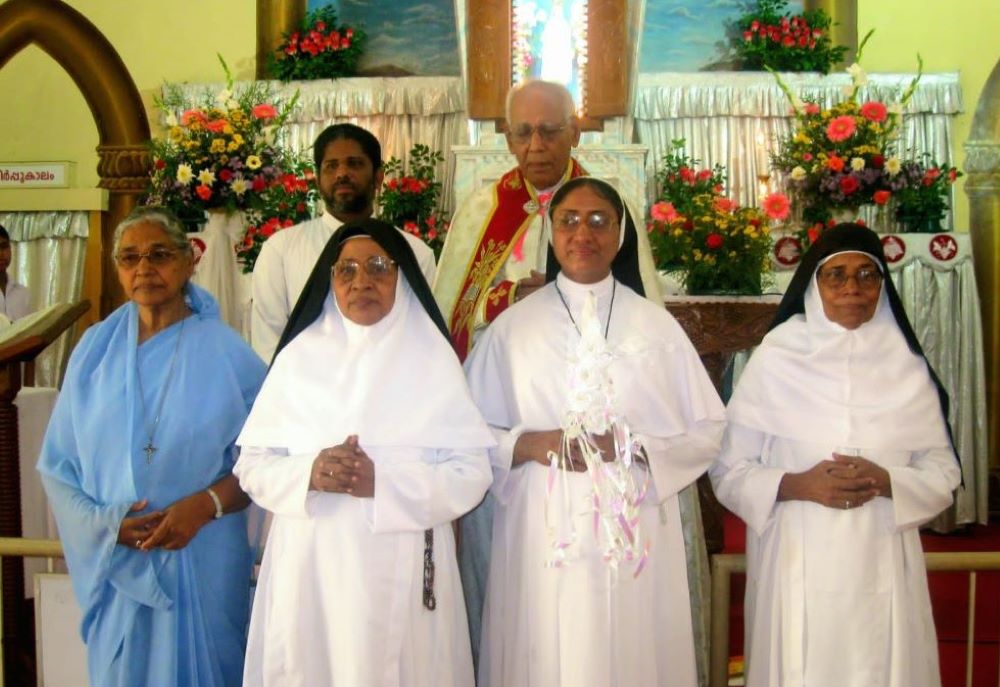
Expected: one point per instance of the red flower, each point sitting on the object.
(190, 116)
(411, 227)
(874, 111)
(349, 33)
(704, 175)
(216, 126)
(688, 175)
(952, 175)
(204, 192)
(431, 222)
(713, 241)
(754, 25)
(748, 36)
(812, 109)
(813, 232)
(849, 184)
(265, 111)
(881, 197)
(258, 184)
(723, 204)
(776, 206)
(663, 212)
(841, 128)
(878, 161)
(788, 42)
(159, 164)
(807, 157)
(392, 184)
(432, 234)
(717, 188)
(225, 174)
(345, 43)
(835, 163)
(300, 207)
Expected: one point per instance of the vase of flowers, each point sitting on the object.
(410, 201)
(318, 49)
(693, 228)
(840, 158)
(919, 194)
(286, 201)
(771, 37)
(220, 152)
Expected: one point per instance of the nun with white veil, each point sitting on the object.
(558, 612)
(837, 450)
(365, 445)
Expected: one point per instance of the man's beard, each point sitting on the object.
(348, 204)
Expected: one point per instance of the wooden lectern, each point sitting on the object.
(20, 344)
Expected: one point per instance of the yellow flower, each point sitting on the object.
(218, 146)
(253, 162)
(233, 146)
(238, 139)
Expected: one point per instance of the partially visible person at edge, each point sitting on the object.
(580, 624)
(14, 298)
(365, 444)
(137, 465)
(495, 254)
(349, 172)
(837, 450)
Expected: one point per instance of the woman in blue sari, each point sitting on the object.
(137, 464)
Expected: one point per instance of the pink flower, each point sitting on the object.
(713, 241)
(663, 212)
(807, 157)
(723, 204)
(840, 128)
(776, 206)
(811, 109)
(265, 111)
(874, 111)
(881, 197)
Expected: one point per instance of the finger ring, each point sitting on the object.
(138, 543)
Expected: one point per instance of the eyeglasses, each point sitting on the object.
(868, 278)
(156, 257)
(377, 267)
(597, 221)
(546, 131)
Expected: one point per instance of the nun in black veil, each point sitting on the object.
(838, 448)
(365, 444)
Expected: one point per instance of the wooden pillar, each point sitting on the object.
(275, 18)
(845, 23)
(16, 635)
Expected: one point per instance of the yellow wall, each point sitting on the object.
(950, 36)
(44, 116)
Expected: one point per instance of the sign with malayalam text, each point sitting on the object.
(35, 174)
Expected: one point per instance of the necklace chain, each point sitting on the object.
(151, 448)
(607, 325)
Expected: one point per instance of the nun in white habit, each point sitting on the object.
(365, 445)
(584, 624)
(837, 450)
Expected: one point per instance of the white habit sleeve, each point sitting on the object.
(741, 482)
(923, 488)
(676, 462)
(416, 495)
(275, 480)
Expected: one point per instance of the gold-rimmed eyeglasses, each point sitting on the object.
(157, 257)
(377, 267)
(597, 221)
(547, 131)
(868, 278)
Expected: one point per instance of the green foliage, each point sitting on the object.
(411, 201)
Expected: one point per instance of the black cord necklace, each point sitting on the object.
(607, 325)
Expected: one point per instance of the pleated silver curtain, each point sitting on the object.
(49, 250)
(724, 117)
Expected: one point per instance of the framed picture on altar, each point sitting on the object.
(391, 49)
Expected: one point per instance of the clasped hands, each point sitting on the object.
(344, 469)
(535, 446)
(170, 528)
(844, 482)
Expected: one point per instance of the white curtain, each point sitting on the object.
(401, 112)
(49, 250)
(724, 117)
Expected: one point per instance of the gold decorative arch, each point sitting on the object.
(98, 71)
(982, 185)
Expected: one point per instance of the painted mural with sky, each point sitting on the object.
(417, 36)
(685, 35)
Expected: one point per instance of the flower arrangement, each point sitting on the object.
(920, 194)
(287, 200)
(319, 49)
(220, 152)
(769, 37)
(410, 201)
(840, 157)
(719, 246)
